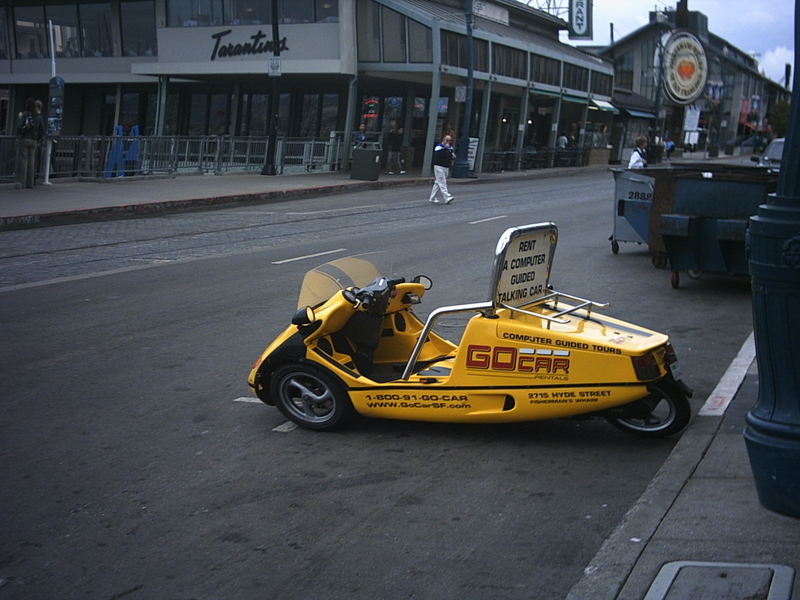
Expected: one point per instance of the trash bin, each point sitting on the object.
(711, 209)
(633, 200)
(366, 164)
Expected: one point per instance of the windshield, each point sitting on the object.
(774, 151)
(322, 282)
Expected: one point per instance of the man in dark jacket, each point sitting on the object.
(30, 131)
(443, 157)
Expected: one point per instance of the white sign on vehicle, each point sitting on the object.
(524, 259)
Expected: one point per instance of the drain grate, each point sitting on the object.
(719, 580)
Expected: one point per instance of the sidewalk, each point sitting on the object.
(75, 201)
(697, 532)
(71, 201)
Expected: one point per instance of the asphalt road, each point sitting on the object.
(132, 469)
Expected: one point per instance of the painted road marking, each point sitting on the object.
(726, 389)
(488, 219)
(332, 210)
(282, 428)
(248, 399)
(296, 258)
(285, 427)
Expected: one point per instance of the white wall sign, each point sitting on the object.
(580, 19)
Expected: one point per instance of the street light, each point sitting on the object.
(274, 99)
(461, 165)
(772, 433)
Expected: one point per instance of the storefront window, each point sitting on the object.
(129, 112)
(326, 11)
(575, 77)
(545, 70)
(64, 16)
(95, 19)
(198, 108)
(601, 83)
(394, 36)
(30, 31)
(256, 115)
(309, 118)
(509, 62)
(218, 114)
(369, 31)
(623, 71)
(296, 11)
(194, 13)
(248, 12)
(420, 42)
(3, 38)
(329, 114)
(138, 27)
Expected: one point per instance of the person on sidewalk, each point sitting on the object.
(443, 157)
(639, 155)
(30, 131)
(395, 163)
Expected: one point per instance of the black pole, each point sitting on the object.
(274, 98)
(772, 433)
(461, 166)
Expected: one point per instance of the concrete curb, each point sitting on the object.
(606, 574)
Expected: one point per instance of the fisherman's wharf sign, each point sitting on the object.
(685, 68)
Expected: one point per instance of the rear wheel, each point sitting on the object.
(664, 412)
(310, 397)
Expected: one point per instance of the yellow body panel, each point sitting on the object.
(511, 367)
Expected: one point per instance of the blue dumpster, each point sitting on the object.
(706, 230)
(633, 201)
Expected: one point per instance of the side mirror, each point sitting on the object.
(427, 282)
(304, 316)
(755, 158)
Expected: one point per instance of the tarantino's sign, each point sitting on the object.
(258, 44)
(685, 68)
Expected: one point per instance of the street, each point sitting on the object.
(133, 466)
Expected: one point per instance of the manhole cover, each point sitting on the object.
(721, 581)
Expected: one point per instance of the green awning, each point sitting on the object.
(576, 99)
(607, 106)
(544, 93)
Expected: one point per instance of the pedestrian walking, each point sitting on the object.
(394, 160)
(443, 157)
(30, 131)
(639, 155)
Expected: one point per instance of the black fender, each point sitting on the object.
(292, 350)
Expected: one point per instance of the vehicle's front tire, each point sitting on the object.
(664, 412)
(310, 397)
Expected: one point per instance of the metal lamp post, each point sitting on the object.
(274, 99)
(461, 165)
(772, 433)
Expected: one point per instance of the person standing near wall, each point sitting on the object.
(395, 162)
(30, 131)
(443, 157)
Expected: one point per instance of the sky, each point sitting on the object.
(764, 29)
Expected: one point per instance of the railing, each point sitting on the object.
(119, 156)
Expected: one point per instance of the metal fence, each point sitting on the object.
(119, 156)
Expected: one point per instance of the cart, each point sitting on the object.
(633, 202)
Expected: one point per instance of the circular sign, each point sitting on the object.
(685, 68)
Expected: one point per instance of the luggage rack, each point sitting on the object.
(583, 303)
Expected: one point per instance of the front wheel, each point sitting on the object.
(310, 397)
(664, 412)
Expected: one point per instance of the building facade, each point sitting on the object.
(732, 105)
(202, 67)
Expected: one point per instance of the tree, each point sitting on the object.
(779, 118)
